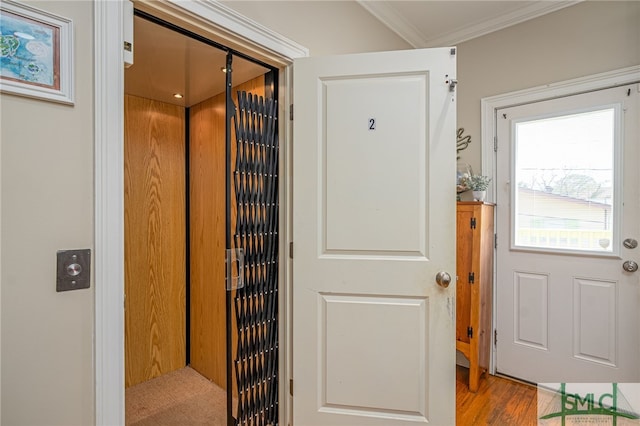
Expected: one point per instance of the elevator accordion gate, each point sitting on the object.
(255, 305)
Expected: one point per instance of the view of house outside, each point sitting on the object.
(564, 170)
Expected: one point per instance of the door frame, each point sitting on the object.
(489, 127)
(223, 24)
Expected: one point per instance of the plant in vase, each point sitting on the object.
(478, 184)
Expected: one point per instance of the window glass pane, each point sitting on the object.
(564, 175)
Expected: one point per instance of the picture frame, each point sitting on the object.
(36, 53)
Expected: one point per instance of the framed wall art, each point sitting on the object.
(36, 53)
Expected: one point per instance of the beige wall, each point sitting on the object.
(47, 205)
(324, 27)
(588, 38)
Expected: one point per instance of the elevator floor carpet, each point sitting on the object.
(182, 397)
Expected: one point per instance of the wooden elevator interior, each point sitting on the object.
(175, 211)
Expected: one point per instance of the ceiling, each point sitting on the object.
(446, 23)
(167, 62)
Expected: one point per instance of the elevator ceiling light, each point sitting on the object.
(178, 95)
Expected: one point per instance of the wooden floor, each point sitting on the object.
(498, 401)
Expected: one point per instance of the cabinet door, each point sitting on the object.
(464, 267)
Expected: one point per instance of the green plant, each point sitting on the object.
(475, 182)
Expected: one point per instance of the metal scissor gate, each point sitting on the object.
(255, 183)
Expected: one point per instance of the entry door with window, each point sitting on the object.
(568, 296)
(373, 224)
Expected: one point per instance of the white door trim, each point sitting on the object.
(488, 123)
(226, 26)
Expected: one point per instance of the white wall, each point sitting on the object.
(47, 205)
(588, 38)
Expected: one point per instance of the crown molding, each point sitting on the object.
(389, 16)
(532, 11)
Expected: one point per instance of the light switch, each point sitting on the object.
(74, 269)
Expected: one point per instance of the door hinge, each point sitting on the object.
(291, 250)
(495, 337)
(495, 144)
(473, 223)
(291, 112)
(472, 277)
(291, 387)
(495, 240)
(469, 332)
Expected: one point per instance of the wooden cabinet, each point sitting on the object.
(475, 245)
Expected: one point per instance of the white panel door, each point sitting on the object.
(567, 194)
(374, 222)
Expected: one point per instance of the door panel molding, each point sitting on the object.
(591, 326)
(375, 231)
(531, 304)
(402, 324)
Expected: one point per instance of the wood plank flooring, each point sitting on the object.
(499, 401)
